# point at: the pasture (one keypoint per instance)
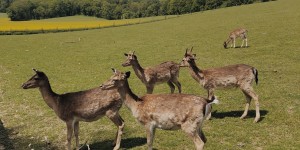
(73, 65)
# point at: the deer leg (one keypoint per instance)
(234, 43)
(194, 133)
(253, 95)
(248, 99)
(246, 42)
(69, 134)
(202, 136)
(177, 83)
(171, 85)
(150, 89)
(242, 43)
(150, 130)
(119, 122)
(210, 96)
(76, 133)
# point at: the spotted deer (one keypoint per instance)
(164, 111)
(239, 75)
(242, 33)
(165, 72)
(88, 106)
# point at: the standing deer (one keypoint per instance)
(89, 105)
(239, 75)
(165, 72)
(164, 111)
(242, 33)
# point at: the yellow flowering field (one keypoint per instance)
(67, 23)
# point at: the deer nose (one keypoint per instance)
(24, 86)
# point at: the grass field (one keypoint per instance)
(66, 24)
(73, 65)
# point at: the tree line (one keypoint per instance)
(109, 9)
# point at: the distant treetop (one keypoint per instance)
(109, 9)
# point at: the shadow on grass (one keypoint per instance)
(5, 142)
(125, 144)
(242, 47)
(11, 139)
(237, 114)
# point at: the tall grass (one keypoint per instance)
(72, 66)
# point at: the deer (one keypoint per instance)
(164, 111)
(165, 72)
(240, 76)
(89, 105)
(241, 32)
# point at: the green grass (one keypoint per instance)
(274, 50)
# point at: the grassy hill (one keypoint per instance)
(74, 65)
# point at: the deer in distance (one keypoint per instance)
(239, 75)
(165, 72)
(88, 106)
(242, 33)
(164, 111)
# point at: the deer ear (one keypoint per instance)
(34, 70)
(114, 70)
(133, 52)
(191, 49)
(127, 74)
(186, 52)
(125, 54)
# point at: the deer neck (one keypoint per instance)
(138, 69)
(196, 72)
(130, 99)
(228, 40)
(49, 96)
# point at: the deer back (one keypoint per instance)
(228, 76)
(169, 111)
(162, 72)
(89, 105)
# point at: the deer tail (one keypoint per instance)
(214, 100)
(255, 72)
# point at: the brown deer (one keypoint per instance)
(164, 111)
(242, 33)
(89, 105)
(239, 75)
(165, 72)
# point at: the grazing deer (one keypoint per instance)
(89, 105)
(164, 111)
(242, 33)
(240, 75)
(165, 72)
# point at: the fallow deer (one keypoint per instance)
(239, 75)
(165, 72)
(164, 111)
(242, 33)
(89, 105)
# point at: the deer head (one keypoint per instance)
(37, 80)
(188, 57)
(130, 59)
(117, 80)
(225, 44)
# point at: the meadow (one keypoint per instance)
(72, 65)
